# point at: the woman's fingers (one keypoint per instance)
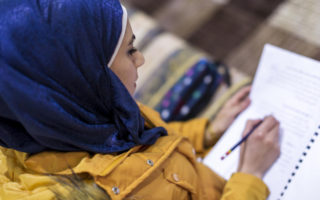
(241, 159)
(240, 95)
(273, 136)
(249, 126)
(268, 123)
(275, 131)
(229, 112)
(237, 109)
(262, 148)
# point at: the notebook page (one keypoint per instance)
(286, 85)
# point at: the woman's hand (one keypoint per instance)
(261, 149)
(233, 107)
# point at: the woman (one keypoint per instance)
(68, 70)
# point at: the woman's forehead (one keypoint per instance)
(128, 34)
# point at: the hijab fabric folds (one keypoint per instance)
(56, 89)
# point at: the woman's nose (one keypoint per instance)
(139, 60)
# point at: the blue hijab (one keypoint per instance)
(56, 89)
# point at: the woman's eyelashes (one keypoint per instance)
(132, 51)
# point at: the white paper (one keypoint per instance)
(287, 86)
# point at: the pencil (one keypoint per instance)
(241, 141)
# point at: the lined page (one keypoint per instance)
(286, 85)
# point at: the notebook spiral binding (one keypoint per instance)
(299, 163)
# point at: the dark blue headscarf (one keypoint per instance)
(56, 90)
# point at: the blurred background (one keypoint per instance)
(178, 37)
(235, 31)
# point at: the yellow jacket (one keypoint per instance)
(166, 170)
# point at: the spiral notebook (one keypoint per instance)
(286, 85)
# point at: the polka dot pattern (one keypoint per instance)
(191, 92)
